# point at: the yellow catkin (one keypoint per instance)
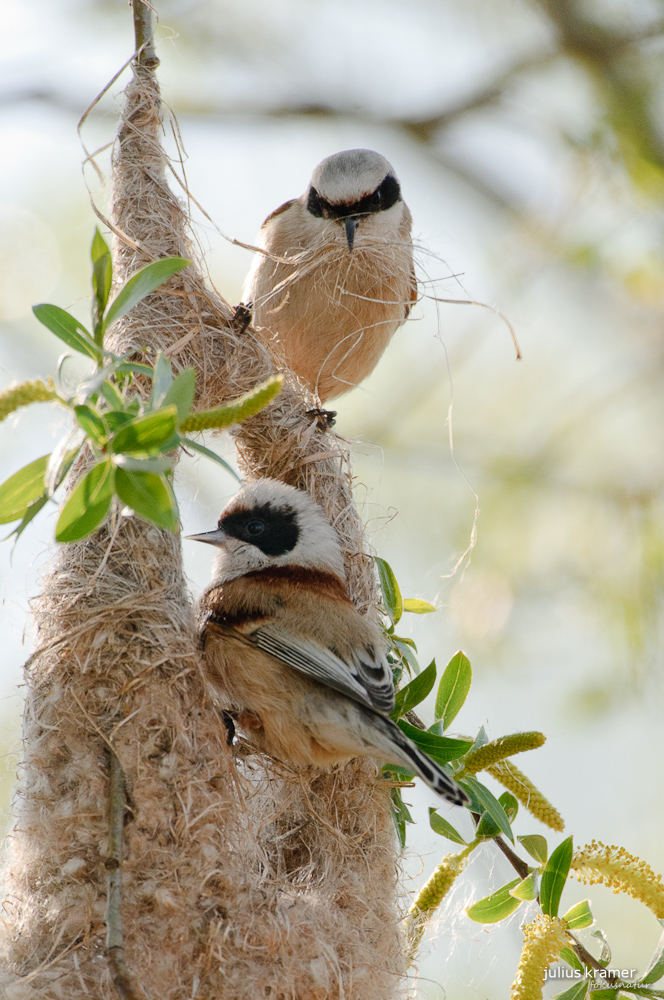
(497, 750)
(430, 897)
(26, 392)
(509, 775)
(232, 413)
(543, 940)
(620, 871)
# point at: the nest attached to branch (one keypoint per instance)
(239, 882)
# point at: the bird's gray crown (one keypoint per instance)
(348, 176)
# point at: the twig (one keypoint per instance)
(114, 944)
(144, 34)
(517, 863)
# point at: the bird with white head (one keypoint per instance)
(287, 652)
(336, 277)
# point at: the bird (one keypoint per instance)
(336, 275)
(287, 654)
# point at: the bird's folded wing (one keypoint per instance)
(315, 661)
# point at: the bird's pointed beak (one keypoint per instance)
(350, 225)
(216, 537)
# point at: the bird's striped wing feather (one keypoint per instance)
(313, 660)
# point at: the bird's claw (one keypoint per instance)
(241, 318)
(324, 418)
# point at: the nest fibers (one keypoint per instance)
(239, 882)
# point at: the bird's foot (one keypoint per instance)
(324, 418)
(228, 719)
(241, 318)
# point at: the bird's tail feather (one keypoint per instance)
(403, 751)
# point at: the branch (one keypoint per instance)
(144, 34)
(114, 945)
(517, 863)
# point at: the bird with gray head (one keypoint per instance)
(286, 651)
(336, 277)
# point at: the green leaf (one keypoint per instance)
(536, 846)
(655, 969)
(527, 889)
(554, 876)
(149, 495)
(141, 284)
(487, 828)
(417, 607)
(579, 915)
(453, 688)
(397, 773)
(400, 815)
(182, 392)
(569, 956)
(68, 329)
(87, 505)
(111, 394)
(94, 383)
(480, 795)
(577, 992)
(135, 368)
(495, 907)
(481, 739)
(117, 419)
(405, 650)
(404, 640)
(157, 464)
(390, 587)
(22, 489)
(32, 511)
(443, 828)
(161, 382)
(510, 805)
(414, 692)
(145, 434)
(202, 450)
(606, 994)
(439, 748)
(61, 461)
(102, 279)
(91, 423)
(99, 247)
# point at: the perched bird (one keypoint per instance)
(286, 650)
(338, 276)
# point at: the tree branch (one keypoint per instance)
(144, 34)
(114, 943)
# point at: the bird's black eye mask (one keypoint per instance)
(273, 530)
(388, 193)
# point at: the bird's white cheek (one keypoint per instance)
(236, 558)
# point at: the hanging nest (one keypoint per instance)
(241, 878)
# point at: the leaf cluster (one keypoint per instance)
(494, 815)
(132, 440)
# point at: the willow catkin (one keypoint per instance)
(543, 940)
(16, 396)
(512, 778)
(620, 871)
(265, 881)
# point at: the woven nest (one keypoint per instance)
(242, 879)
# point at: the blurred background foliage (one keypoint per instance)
(529, 139)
